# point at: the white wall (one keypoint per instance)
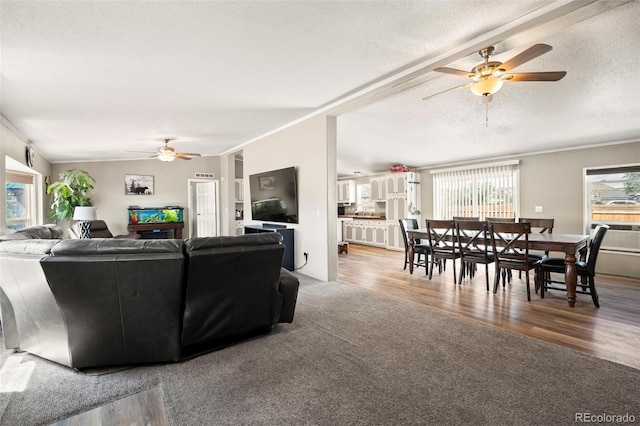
(310, 147)
(170, 186)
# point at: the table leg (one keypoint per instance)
(570, 277)
(411, 254)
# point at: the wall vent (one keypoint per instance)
(204, 175)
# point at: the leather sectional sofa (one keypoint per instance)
(106, 302)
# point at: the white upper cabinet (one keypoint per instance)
(346, 191)
(396, 183)
(378, 189)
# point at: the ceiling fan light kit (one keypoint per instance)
(489, 76)
(167, 153)
(487, 86)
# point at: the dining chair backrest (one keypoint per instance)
(441, 234)
(500, 219)
(540, 225)
(467, 218)
(594, 247)
(406, 224)
(505, 238)
(472, 238)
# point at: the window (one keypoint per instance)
(20, 201)
(489, 190)
(613, 198)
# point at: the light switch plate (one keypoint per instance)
(539, 209)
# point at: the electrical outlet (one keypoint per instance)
(306, 256)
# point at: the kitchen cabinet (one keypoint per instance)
(396, 208)
(346, 191)
(396, 183)
(366, 231)
(394, 236)
(404, 203)
(378, 189)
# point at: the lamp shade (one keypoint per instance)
(487, 86)
(84, 213)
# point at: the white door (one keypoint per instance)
(205, 208)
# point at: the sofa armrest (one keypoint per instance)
(288, 287)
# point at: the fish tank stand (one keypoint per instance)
(156, 222)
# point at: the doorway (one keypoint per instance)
(204, 211)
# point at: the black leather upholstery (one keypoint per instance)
(241, 296)
(48, 231)
(99, 302)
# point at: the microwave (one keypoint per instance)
(340, 210)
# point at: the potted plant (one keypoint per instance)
(72, 190)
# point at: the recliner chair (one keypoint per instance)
(99, 229)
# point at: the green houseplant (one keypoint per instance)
(72, 190)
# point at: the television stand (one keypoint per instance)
(287, 239)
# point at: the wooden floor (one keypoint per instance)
(142, 408)
(611, 332)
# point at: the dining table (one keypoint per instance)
(569, 244)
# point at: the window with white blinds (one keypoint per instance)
(489, 190)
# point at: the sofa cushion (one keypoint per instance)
(115, 246)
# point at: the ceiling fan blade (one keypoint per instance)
(529, 54)
(535, 76)
(181, 156)
(448, 90)
(191, 154)
(454, 71)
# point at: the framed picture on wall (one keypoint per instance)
(138, 185)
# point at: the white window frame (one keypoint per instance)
(633, 233)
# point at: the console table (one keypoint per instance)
(287, 240)
(142, 227)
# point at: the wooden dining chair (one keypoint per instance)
(510, 244)
(541, 226)
(442, 240)
(418, 248)
(586, 268)
(474, 247)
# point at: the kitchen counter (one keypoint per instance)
(361, 217)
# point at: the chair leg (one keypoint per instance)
(433, 260)
(594, 293)
(406, 259)
(496, 280)
(486, 273)
(454, 270)
(526, 275)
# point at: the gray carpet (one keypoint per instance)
(350, 357)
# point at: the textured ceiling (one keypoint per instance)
(94, 80)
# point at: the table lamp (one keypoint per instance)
(84, 214)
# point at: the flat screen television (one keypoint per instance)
(274, 196)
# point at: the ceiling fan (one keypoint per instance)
(489, 76)
(167, 153)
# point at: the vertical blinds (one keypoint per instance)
(484, 191)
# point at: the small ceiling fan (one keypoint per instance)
(489, 76)
(167, 153)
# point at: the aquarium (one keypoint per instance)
(141, 215)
